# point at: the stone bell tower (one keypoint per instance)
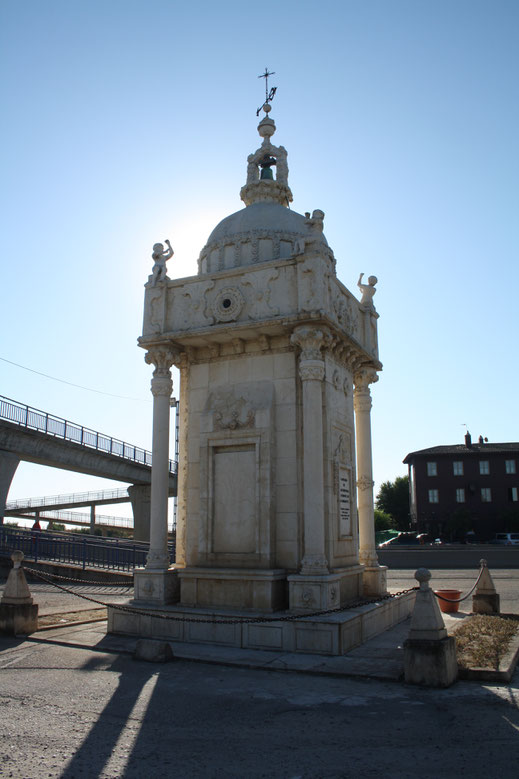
(275, 501)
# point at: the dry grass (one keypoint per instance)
(482, 640)
(62, 619)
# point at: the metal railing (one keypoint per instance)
(76, 518)
(72, 498)
(81, 550)
(42, 422)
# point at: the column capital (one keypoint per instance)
(363, 378)
(162, 357)
(311, 340)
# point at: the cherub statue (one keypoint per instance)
(161, 257)
(368, 290)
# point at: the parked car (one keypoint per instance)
(506, 539)
(400, 540)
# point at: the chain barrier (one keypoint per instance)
(78, 581)
(464, 597)
(222, 621)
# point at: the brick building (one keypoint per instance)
(464, 487)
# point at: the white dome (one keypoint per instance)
(261, 232)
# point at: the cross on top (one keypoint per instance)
(268, 94)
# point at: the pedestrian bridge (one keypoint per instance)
(36, 436)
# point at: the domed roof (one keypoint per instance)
(258, 216)
(266, 229)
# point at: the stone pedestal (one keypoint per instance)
(156, 587)
(314, 593)
(236, 588)
(374, 579)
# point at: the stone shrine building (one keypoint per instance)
(276, 358)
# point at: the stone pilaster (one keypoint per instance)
(374, 578)
(311, 371)
(180, 558)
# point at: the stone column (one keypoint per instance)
(311, 371)
(152, 584)
(374, 577)
(161, 389)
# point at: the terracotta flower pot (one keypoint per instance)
(452, 595)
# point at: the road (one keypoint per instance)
(74, 713)
(69, 712)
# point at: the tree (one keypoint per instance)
(383, 521)
(393, 499)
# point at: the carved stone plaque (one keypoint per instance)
(344, 502)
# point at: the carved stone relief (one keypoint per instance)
(258, 286)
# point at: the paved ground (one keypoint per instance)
(71, 711)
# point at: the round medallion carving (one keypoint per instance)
(228, 304)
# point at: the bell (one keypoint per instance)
(266, 173)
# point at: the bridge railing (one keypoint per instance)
(85, 551)
(41, 421)
(74, 497)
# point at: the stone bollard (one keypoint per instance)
(18, 614)
(485, 599)
(429, 653)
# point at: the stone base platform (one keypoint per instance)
(332, 634)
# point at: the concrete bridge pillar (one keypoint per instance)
(140, 496)
(8, 465)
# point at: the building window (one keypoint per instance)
(513, 494)
(432, 469)
(510, 466)
(486, 495)
(457, 468)
(484, 467)
(434, 496)
(460, 495)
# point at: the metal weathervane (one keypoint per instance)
(269, 94)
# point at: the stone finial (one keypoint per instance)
(485, 599)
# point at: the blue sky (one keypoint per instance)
(129, 121)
